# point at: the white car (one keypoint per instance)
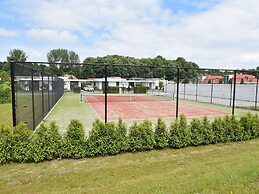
(88, 88)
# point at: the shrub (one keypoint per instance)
(122, 135)
(74, 144)
(161, 134)
(21, 143)
(5, 92)
(179, 133)
(103, 139)
(232, 129)
(141, 136)
(140, 89)
(196, 132)
(250, 124)
(46, 143)
(5, 144)
(76, 90)
(208, 134)
(112, 90)
(218, 130)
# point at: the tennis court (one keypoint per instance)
(134, 107)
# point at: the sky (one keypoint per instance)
(211, 33)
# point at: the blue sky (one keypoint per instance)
(212, 33)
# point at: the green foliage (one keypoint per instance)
(196, 132)
(218, 129)
(46, 143)
(5, 92)
(250, 124)
(161, 85)
(141, 137)
(242, 81)
(112, 90)
(21, 143)
(161, 134)
(179, 133)
(4, 76)
(17, 55)
(106, 139)
(76, 90)
(5, 144)
(140, 89)
(207, 131)
(74, 143)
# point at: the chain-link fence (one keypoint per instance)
(34, 93)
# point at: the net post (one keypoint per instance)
(234, 93)
(32, 95)
(256, 94)
(177, 93)
(12, 63)
(105, 93)
(48, 95)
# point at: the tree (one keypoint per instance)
(242, 81)
(161, 85)
(58, 55)
(17, 55)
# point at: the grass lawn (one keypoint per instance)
(70, 108)
(222, 168)
(6, 114)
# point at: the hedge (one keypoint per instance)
(5, 92)
(140, 90)
(19, 144)
(112, 90)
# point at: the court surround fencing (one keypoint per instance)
(179, 84)
(34, 94)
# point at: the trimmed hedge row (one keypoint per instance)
(21, 145)
(112, 90)
(140, 90)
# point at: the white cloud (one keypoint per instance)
(225, 34)
(7, 33)
(51, 35)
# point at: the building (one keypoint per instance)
(243, 78)
(240, 78)
(216, 79)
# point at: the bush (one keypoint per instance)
(112, 90)
(140, 89)
(141, 137)
(105, 139)
(74, 144)
(5, 144)
(21, 143)
(161, 134)
(232, 129)
(250, 124)
(5, 92)
(179, 133)
(46, 143)
(218, 130)
(207, 132)
(196, 132)
(76, 90)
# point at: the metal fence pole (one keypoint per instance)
(234, 93)
(211, 91)
(256, 94)
(12, 63)
(184, 85)
(196, 92)
(177, 93)
(48, 95)
(105, 93)
(32, 96)
(230, 99)
(52, 92)
(42, 95)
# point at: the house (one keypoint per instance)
(243, 78)
(216, 79)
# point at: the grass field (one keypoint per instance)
(222, 168)
(6, 114)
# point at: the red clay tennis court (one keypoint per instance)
(143, 107)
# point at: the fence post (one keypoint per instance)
(32, 96)
(230, 99)
(13, 92)
(211, 91)
(42, 95)
(52, 92)
(234, 93)
(184, 85)
(256, 94)
(177, 93)
(105, 93)
(48, 95)
(196, 93)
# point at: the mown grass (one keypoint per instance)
(6, 114)
(222, 168)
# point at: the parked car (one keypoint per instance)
(88, 88)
